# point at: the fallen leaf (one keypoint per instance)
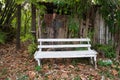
(108, 79)
(45, 67)
(118, 66)
(82, 78)
(64, 75)
(71, 66)
(114, 72)
(39, 78)
(31, 74)
(94, 73)
(113, 66)
(62, 66)
(81, 67)
(49, 77)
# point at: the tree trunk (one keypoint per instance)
(18, 27)
(33, 22)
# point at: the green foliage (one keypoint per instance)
(25, 77)
(2, 37)
(90, 78)
(119, 73)
(4, 71)
(32, 48)
(74, 62)
(42, 9)
(108, 50)
(107, 74)
(111, 13)
(27, 37)
(104, 63)
(77, 78)
(72, 7)
(19, 1)
(91, 34)
(38, 68)
(82, 48)
(78, 6)
(8, 9)
(73, 26)
(117, 67)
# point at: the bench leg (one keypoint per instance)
(38, 60)
(95, 62)
(91, 60)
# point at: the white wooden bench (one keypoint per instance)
(80, 43)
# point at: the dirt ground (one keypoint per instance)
(20, 65)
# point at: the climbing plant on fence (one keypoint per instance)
(110, 10)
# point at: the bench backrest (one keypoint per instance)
(81, 42)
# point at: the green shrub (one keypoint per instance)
(108, 50)
(104, 62)
(32, 48)
(107, 74)
(2, 37)
(27, 37)
(73, 26)
(38, 68)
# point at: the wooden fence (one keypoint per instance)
(97, 30)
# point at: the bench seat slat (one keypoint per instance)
(65, 54)
(63, 40)
(63, 46)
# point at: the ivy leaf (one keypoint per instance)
(19, 1)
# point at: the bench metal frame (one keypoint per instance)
(81, 42)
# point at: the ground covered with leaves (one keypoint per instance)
(20, 65)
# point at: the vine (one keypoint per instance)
(111, 13)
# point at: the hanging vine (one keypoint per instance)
(111, 13)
